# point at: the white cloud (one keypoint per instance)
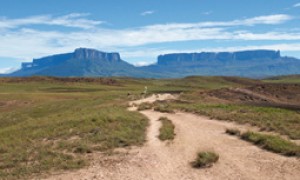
(266, 36)
(142, 63)
(146, 13)
(207, 13)
(269, 20)
(76, 20)
(25, 44)
(297, 5)
(281, 47)
(7, 70)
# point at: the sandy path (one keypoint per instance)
(159, 161)
(152, 99)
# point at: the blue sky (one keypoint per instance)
(142, 29)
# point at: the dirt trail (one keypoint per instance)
(151, 99)
(159, 161)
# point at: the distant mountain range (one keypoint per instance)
(85, 62)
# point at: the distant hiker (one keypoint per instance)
(145, 92)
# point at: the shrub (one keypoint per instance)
(144, 106)
(234, 132)
(205, 159)
(82, 149)
(166, 131)
(163, 109)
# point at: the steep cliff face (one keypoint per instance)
(204, 57)
(254, 63)
(83, 54)
(81, 62)
(256, 54)
(92, 54)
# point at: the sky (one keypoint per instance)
(140, 30)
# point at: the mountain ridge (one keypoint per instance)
(85, 62)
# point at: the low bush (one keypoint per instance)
(234, 132)
(163, 109)
(166, 132)
(205, 159)
(145, 106)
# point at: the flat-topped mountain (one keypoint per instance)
(78, 54)
(93, 63)
(183, 58)
(82, 62)
(254, 63)
(92, 54)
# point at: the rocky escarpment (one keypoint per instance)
(83, 62)
(78, 54)
(92, 54)
(254, 63)
(182, 58)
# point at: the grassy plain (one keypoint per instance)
(49, 124)
(46, 124)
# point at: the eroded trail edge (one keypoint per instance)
(170, 160)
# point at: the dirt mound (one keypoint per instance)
(275, 95)
(281, 92)
(241, 81)
(234, 95)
